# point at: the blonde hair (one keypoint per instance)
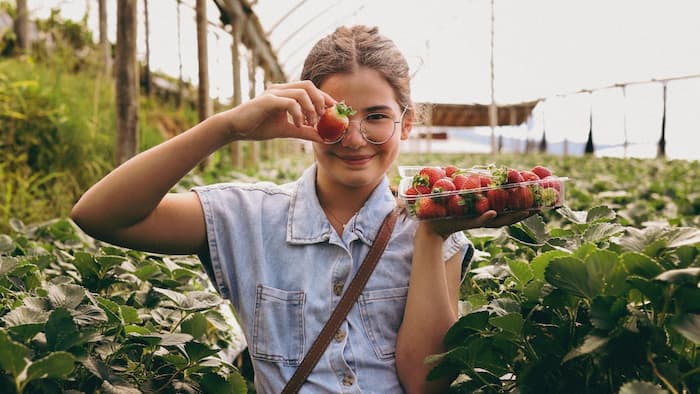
(350, 47)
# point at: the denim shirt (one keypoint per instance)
(276, 257)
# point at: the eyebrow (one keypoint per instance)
(375, 108)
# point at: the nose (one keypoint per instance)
(353, 136)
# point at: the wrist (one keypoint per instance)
(427, 231)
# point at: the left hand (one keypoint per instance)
(490, 218)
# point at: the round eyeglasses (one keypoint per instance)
(376, 128)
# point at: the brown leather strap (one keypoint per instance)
(346, 302)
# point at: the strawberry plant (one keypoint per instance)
(84, 316)
(584, 306)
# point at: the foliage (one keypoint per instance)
(588, 307)
(55, 142)
(84, 316)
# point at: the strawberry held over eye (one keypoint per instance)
(334, 122)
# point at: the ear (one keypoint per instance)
(407, 124)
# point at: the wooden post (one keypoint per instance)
(204, 102)
(235, 148)
(127, 83)
(253, 157)
(661, 149)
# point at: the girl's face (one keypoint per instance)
(353, 162)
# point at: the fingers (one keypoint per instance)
(311, 100)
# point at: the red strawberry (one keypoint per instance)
(443, 185)
(497, 199)
(473, 181)
(485, 181)
(514, 176)
(450, 170)
(541, 171)
(411, 191)
(529, 176)
(457, 205)
(481, 204)
(459, 180)
(427, 176)
(551, 182)
(520, 198)
(427, 208)
(334, 122)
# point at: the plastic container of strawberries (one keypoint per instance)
(473, 200)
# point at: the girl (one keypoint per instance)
(284, 254)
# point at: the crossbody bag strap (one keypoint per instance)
(346, 302)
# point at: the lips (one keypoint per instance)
(355, 160)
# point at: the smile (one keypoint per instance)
(356, 160)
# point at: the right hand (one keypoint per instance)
(283, 110)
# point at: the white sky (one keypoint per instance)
(543, 49)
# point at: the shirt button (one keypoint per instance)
(339, 336)
(348, 380)
(338, 288)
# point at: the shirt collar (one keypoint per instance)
(307, 222)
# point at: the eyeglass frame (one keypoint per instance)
(364, 134)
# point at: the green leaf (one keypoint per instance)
(641, 265)
(606, 311)
(578, 217)
(680, 276)
(234, 383)
(571, 275)
(638, 387)
(590, 344)
(25, 315)
(61, 332)
(511, 322)
(600, 214)
(56, 365)
(196, 325)
(601, 231)
(192, 301)
(636, 240)
(129, 314)
(197, 350)
(6, 245)
(66, 295)
(682, 236)
(531, 231)
(540, 263)
(12, 355)
(89, 315)
(604, 267)
(653, 291)
(7, 264)
(107, 262)
(689, 326)
(467, 325)
(172, 339)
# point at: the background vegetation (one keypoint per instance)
(599, 296)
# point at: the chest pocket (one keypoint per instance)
(382, 312)
(278, 330)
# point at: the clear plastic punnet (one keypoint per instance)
(433, 192)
